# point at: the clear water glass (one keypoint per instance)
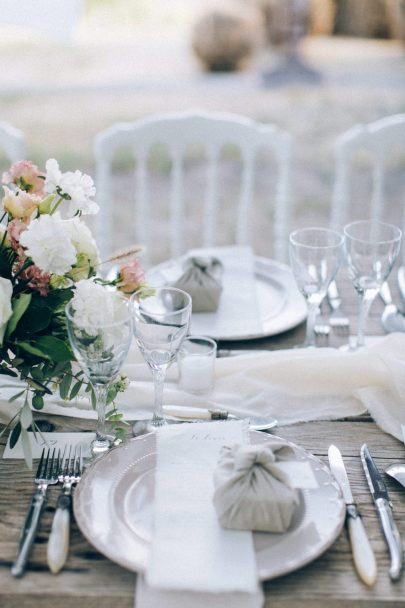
(315, 257)
(371, 249)
(100, 350)
(161, 323)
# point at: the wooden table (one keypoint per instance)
(91, 580)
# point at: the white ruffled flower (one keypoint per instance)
(96, 305)
(83, 240)
(48, 243)
(6, 291)
(79, 186)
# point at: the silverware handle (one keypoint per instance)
(28, 533)
(392, 538)
(333, 296)
(58, 543)
(385, 293)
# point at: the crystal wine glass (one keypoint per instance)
(161, 323)
(315, 257)
(100, 349)
(371, 250)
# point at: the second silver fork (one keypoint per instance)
(58, 543)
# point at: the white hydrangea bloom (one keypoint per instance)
(79, 186)
(48, 243)
(96, 305)
(83, 240)
(6, 291)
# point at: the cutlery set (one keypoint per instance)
(363, 556)
(53, 468)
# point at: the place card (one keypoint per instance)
(52, 440)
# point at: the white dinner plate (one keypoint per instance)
(114, 500)
(281, 306)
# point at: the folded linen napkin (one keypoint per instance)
(202, 279)
(294, 385)
(252, 492)
(194, 562)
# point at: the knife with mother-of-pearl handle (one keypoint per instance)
(363, 555)
(384, 509)
(401, 284)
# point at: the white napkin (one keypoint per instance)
(194, 561)
(292, 385)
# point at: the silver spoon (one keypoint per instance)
(397, 471)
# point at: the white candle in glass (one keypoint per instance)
(196, 362)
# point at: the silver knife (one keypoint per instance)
(363, 555)
(384, 509)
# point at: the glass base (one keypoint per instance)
(101, 446)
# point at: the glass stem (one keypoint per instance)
(365, 304)
(159, 375)
(101, 442)
(313, 308)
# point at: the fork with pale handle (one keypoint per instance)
(58, 543)
(46, 475)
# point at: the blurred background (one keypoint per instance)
(71, 68)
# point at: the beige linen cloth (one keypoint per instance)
(292, 385)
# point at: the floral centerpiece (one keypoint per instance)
(46, 251)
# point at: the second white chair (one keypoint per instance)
(178, 132)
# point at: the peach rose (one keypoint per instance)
(20, 204)
(26, 176)
(130, 277)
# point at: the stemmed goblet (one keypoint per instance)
(100, 345)
(371, 249)
(161, 323)
(315, 257)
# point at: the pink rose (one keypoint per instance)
(130, 277)
(20, 204)
(26, 176)
(14, 230)
(37, 279)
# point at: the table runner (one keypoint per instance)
(292, 385)
(194, 560)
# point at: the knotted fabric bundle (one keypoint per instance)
(251, 490)
(202, 279)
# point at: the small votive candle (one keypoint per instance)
(196, 361)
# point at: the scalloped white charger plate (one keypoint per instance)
(113, 508)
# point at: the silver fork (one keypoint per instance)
(58, 543)
(338, 320)
(46, 475)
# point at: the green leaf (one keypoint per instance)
(39, 386)
(15, 434)
(26, 446)
(16, 396)
(20, 305)
(93, 398)
(76, 388)
(32, 350)
(64, 386)
(54, 348)
(34, 320)
(37, 402)
(37, 373)
(7, 372)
